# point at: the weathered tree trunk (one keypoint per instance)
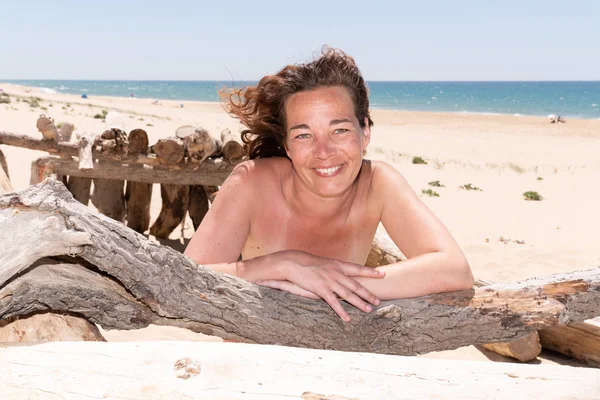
(65, 132)
(175, 203)
(108, 195)
(46, 126)
(162, 286)
(48, 327)
(233, 148)
(175, 198)
(78, 186)
(199, 144)
(37, 327)
(580, 340)
(198, 204)
(138, 195)
(523, 349)
(176, 370)
(5, 185)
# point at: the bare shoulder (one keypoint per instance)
(260, 173)
(387, 179)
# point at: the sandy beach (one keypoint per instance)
(505, 237)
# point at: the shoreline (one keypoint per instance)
(49, 91)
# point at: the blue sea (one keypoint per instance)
(569, 99)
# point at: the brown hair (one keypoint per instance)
(261, 108)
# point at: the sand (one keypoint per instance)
(505, 237)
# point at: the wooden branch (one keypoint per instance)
(200, 370)
(177, 289)
(71, 149)
(580, 340)
(210, 172)
(108, 197)
(138, 195)
(65, 132)
(48, 326)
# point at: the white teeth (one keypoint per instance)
(328, 171)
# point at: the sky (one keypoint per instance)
(418, 40)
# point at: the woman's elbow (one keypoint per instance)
(462, 276)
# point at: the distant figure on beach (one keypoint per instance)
(555, 118)
(303, 211)
(84, 96)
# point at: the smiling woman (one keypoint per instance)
(304, 210)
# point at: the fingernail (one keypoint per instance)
(369, 308)
(347, 319)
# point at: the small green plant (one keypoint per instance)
(468, 186)
(141, 119)
(532, 196)
(539, 178)
(418, 160)
(34, 102)
(435, 184)
(149, 125)
(430, 193)
(102, 115)
(68, 105)
(44, 108)
(50, 105)
(59, 125)
(4, 98)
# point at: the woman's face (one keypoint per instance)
(324, 139)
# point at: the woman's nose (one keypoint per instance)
(324, 148)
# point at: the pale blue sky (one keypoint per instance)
(391, 40)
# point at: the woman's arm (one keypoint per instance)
(435, 263)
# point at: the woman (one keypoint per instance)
(304, 209)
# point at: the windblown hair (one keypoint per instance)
(261, 108)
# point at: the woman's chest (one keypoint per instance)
(346, 238)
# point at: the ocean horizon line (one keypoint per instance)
(573, 99)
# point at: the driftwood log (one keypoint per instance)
(198, 142)
(233, 148)
(175, 198)
(45, 326)
(184, 370)
(108, 195)
(580, 340)
(138, 167)
(198, 204)
(143, 282)
(138, 195)
(46, 126)
(5, 185)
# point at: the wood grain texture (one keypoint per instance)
(174, 287)
(196, 370)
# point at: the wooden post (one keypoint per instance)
(233, 148)
(199, 144)
(5, 185)
(108, 195)
(198, 204)
(175, 198)
(138, 195)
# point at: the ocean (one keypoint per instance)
(568, 99)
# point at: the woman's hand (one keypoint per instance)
(317, 277)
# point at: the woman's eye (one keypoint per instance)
(303, 136)
(341, 130)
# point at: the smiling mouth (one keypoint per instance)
(327, 172)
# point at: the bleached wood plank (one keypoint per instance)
(245, 371)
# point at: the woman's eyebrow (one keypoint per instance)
(339, 121)
(333, 122)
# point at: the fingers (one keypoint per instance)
(335, 304)
(351, 296)
(288, 287)
(360, 270)
(355, 287)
